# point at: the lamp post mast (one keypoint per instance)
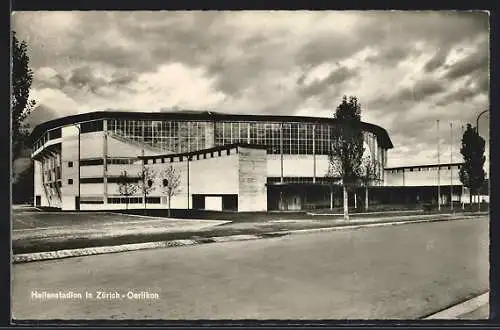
(439, 170)
(451, 166)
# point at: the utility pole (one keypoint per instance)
(463, 187)
(477, 132)
(439, 170)
(451, 166)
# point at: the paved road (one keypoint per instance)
(394, 272)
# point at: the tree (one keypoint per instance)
(126, 187)
(21, 106)
(369, 173)
(146, 182)
(171, 181)
(472, 173)
(23, 186)
(347, 146)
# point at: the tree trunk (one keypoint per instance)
(366, 198)
(126, 203)
(168, 207)
(355, 200)
(478, 202)
(331, 198)
(470, 198)
(346, 207)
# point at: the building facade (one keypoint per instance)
(261, 162)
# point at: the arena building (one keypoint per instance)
(224, 161)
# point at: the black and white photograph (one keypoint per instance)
(250, 165)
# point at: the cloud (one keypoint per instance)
(334, 78)
(478, 61)
(407, 68)
(437, 60)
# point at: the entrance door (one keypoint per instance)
(77, 202)
(38, 200)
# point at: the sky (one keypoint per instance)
(407, 69)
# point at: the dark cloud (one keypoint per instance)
(476, 85)
(335, 78)
(40, 114)
(437, 60)
(477, 61)
(328, 48)
(391, 56)
(460, 95)
(419, 92)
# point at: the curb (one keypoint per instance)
(460, 309)
(69, 253)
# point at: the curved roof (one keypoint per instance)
(380, 132)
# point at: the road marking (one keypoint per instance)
(460, 309)
(381, 212)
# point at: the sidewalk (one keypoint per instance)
(53, 247)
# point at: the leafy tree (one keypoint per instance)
(347, 146)
(126, 187)
(369, 173)
(146, 182)
(21, 106)
(472, 173)
(171, 181)
(23, 186)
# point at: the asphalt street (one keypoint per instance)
(397, 272)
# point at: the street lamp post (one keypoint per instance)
(477, 132)
(439, 170)
(477, 120)
(451, 167)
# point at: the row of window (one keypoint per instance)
(422, 169)
(120, 200)
(100, 161)
(101, 180)
(322, 179)
(211, 154)
(171, 136)
(50, 135)
(133, 200)
(186, 136)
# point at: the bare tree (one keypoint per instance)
(126, 187)
(146, 182)
(347, 146)
(171, 181)
(369, 173)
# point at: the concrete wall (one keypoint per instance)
(217, 175)
(38, 184)
(422, 177)
(252, 180)
(297, 165)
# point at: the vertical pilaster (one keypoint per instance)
(314, 152)
(281, 151)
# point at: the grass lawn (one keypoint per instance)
(54, 242)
